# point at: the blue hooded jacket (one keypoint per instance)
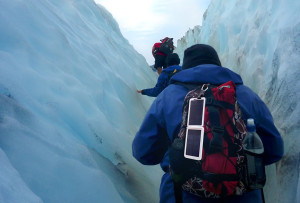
(162, 81)
(162, 124)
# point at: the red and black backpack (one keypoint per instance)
(166, 46)
(221, 171)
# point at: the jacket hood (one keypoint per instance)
(206, 73)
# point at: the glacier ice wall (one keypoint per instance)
(191, 37)
(260, 40)
(68, 105)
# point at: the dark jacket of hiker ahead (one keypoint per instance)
(162, 81)
(162, 123)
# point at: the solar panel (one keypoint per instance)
(196, 112)
(194, 143)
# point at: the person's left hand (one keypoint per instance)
(139, 91)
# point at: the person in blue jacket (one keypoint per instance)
(173, 67)
(161, 124)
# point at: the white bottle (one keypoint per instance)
(254, 150)
(252, 142)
